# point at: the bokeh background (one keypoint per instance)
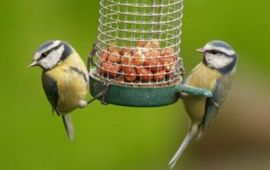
(121, 138)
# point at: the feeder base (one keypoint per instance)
(135, 96)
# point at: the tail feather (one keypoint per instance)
(68, 126)
(192, 132)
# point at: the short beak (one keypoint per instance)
(34, 63)
(200, 50)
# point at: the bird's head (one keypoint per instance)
(219, 55)
(50, 53)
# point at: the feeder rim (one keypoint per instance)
(91, 73)
(143, 5)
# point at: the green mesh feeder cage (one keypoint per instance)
(135, 61)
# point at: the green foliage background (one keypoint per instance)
(110, 137)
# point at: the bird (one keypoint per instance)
(64, 79)
(215, 73)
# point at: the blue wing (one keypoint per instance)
(51, 91)
(213, 103)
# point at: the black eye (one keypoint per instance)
(213, 52)
(44, 54)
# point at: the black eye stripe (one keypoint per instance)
(213, 51)
(45, 54)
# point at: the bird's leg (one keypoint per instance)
(105, 90)
(102, 94)
(215, 103)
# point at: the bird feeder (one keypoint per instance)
(136, 61)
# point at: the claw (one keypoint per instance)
(101, 95)
(215, 103)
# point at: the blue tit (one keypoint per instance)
(64, 79)
(214, 73)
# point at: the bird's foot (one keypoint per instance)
(101, 95)
(183, 95)
(215, 103)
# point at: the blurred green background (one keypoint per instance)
(121, 138)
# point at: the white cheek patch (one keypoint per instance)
(218, 61)
(52, 58)
(37, 55)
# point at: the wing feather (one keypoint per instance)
(213, 104)
(51, 90)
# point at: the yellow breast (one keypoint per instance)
(202, 77)
(72, 86)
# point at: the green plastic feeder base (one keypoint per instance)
(143, 96)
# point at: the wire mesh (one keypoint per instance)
(139, 42)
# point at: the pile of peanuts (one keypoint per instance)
(146, 62)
